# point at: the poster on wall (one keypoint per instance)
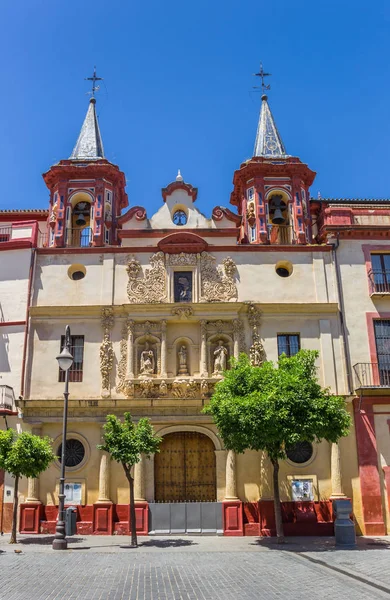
(72, 493)
(302, 489)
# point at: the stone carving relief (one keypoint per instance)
(148, 288)
(183, 312)
(220, 356)
(184, 388)
(182, 359)
(147, 361)
(183, 260)
(256, 352)
(106, 350)
(217, 283)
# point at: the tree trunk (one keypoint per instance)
(134, 542)
(277, 507)
(15, 511)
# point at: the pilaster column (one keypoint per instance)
(104, 478)
(139, 480)
(203, 350)
(236, 339)
(130, 350)
(231, 476)
(163, 349)
(33, 483)
(335, 470)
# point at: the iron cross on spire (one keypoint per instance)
(94, 79)
(261, 74)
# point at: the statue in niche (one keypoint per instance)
(147, 361)
(182, 355)
(220, 356)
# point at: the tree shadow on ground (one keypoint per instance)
(307, 544)
(174, 543)
(47, 540)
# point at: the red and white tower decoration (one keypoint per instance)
(271, 190)
(87, 192)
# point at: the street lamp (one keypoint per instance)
(65, 361)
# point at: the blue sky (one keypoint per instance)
(177, 91)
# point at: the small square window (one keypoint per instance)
(288, 344)
(182, 286)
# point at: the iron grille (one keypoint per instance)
(77, 351)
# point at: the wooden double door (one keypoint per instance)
(184, 469)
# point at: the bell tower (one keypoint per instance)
(87, 192)
(271, 189)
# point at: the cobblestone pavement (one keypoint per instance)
(196, 568)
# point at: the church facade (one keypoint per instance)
(158, 304)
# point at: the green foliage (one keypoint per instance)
(272, 407)
(24, 454)
(125, 441)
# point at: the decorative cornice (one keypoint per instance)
(220, 211)
(176, 243)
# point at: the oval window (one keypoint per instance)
(300, 453)
(179, 217)
(74, 452)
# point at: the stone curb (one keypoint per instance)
(347, 572)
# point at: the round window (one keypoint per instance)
(74, 452)
(77, 272)
(284, 268)
(77, 275)
(300, 453)
(179, 217)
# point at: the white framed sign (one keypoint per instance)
(302, 489)
(73, 493)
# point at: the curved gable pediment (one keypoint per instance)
(182, 242)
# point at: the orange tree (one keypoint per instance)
(125, 442)
(23, 455)
(273, 407)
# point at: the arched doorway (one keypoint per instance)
(184, 469)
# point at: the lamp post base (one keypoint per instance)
(60, 542)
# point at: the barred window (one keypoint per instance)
(288, 344)
(77, 351)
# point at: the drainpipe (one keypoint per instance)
(335, 246)
(29, 293)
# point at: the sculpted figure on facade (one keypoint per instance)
(147, 362)
(163, 388)
(150, 288)
(183, 388)
(182, 355)
(106, 350)
(220, 356)
(217, 284)
(256, 352)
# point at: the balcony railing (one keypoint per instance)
(372, 375)
(5, 234)
(79, 238)
(7, 400)
(281, 234)
(379, 281)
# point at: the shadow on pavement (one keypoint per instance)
(320, 545)
(174, 543)
(47, 540)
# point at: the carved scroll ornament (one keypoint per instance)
(217, 284)
(150, 287)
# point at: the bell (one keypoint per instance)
(278, 219)
(80, 221)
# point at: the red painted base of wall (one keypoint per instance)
(299, 518)
(30, 517)
(100, 519)
(233, 524)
